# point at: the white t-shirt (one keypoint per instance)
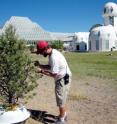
(58, 64)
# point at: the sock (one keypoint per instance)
(63, 118)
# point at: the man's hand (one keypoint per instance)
(38, 70)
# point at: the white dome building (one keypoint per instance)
(104, 38)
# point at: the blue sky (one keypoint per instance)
(56, 15)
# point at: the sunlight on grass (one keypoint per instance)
(98, 64)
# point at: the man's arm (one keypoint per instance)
(45, 67)
(45, 72)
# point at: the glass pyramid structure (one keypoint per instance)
(28, 30)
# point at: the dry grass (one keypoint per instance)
(77, 96)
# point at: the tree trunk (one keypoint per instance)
(10, 99)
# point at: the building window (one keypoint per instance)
(111, 19)
(89, 45)
(108, 10)
(107, 44)
(97, 44)
(78, 47)
(98, 33)
(111, 9)
(85, 47)
(104, 10)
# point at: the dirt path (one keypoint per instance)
(91, 101)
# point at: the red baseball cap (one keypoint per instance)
(41, 45)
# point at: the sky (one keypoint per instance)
(56, 15)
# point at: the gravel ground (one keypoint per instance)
(91, 101)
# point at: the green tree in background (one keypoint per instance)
(57, 44)
(17, 75)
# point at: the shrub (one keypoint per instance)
(57, 44)
(17, 75)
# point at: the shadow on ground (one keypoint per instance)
(42, 116)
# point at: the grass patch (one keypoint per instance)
(99, 64)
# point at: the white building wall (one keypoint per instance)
(106, 21)
(81, 43)
(115, 23)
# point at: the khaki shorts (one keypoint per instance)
(61, 92)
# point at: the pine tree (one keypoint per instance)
(17, 75)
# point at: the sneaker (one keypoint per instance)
(66, 118)
(59, 121)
